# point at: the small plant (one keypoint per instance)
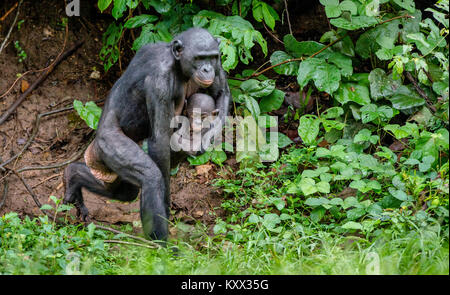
(22, 55)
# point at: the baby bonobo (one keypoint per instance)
(201, 110)
(140, 106)
(199, 107)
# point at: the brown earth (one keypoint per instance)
(61, 136)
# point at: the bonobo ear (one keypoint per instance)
(218, 41)
(177, 48)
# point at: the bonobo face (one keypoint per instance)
(199, 107)
(198, 55)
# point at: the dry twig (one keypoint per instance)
(127, 235)
(287, 15)
(44, 75)
(9, 11)
(421, 92)
(11, 28)
(130, 243)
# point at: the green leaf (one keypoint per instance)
(355, 213)
(405, 98)
(252, 105)
(352, 225)
(363, 135)
(283, 140)
(46, 207)
(343, 62)
(90, 113)
(406, 4)
(103, 4)
(140, 20)
(329, 2)
(304, 48)
(333, 11)
(199, 160)
(427, 161)
(398, 194)
(332, 113)
(326, 77)
(308, 129)
(272, 101)
(258, 88)
(133, 3)
(323, 187)
(271, 220)
(398, 132)
(317, 214)
(119, 8)
(218, 157)
(348, 5)
(147, 36)
(161, 6)
(290, 68)
(357, 22)
(229, 55)
(381, 85)
(352, 92)
(308, 186)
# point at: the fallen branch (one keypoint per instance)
(59, 165)
(287, 16)
(129, 243)
(47, 179)
(271, 34)
(33, 135)
(5, 192)
(127, 235)
(28, 188)
(421, 92)
(21, 76)
(9, 11)
(43, 76)
(11, 28)
(35, 131)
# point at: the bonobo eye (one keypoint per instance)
(212, 57)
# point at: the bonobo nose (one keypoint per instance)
(206, 70)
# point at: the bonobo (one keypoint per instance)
(201, 112)
(202, 103)
(140, 106)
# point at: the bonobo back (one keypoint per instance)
(126, 99)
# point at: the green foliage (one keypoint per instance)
(237, 36)
(90, 112)
(373, 164)
(21, 54)
(38, 246)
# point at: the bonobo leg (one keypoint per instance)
(123, 156)
(78, 175)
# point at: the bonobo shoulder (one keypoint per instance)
(154, 55)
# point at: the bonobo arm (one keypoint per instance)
(160, 109)
(221, 93)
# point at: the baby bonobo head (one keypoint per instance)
(201, 105)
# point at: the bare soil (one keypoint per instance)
(61, 136)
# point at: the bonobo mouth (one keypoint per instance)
(203, 83)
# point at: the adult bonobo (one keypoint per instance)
(140, 106)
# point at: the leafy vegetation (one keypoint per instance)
(370, 178)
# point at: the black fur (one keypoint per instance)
(140, 106)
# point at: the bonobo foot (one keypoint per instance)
(82, 211)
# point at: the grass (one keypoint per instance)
(39, 247)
